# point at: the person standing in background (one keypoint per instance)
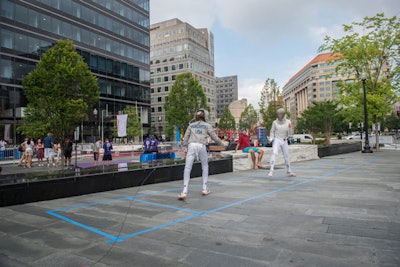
(22, 160)
(146, 144)
(96, 152)
(3, 144)
(29, 145)
(107, 156)
(40, 152)
(68, 152)
(154, 144)
(48, 142)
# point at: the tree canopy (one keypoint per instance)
(369, 50)
(319, 117)
(248, 118)
(59, 91)
(185, 98)
(270, 101)
(227, 121)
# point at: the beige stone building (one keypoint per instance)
(236, 108)
(316, 81)
(177, 47)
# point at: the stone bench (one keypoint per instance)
(242, 161)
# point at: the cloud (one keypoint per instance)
(271, 21)
(196, 13)
(251, 90)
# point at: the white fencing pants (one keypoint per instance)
(279, 143)
(199, 151)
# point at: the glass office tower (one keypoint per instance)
(112, 37)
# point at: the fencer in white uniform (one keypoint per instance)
(281, 130)
(195, 141)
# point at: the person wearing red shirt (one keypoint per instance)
(244, 144)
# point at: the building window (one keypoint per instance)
(159, 99)
(159, 89)
(173, 67)
(180, 66)
(159, 109)
(152, 110)
(166, 89)
(166, 68)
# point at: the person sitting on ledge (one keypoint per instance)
(244, 144)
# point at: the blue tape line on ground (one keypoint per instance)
(157, 227)
(197, 214)
(243, 201)
(94, 230)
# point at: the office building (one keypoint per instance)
(316, 81)
(112, 37)
(227, 92)
(177, 47)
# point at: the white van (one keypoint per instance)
(304, 138)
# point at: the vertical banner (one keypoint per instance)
(7, 128)
(121, 124)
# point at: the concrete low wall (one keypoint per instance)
(87, 183)
(337, 149)
(242, 161)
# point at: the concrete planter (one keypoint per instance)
(86, 183)
(242, 161)
(337, 149)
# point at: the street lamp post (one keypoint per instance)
(95, 112)
(367, 148)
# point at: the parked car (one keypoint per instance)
(303, 138)
(358, 136)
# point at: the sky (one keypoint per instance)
(261, 39)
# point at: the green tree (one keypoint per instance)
(248, 118)
(185, 98)
(319, 117)
(227, 121)
(370, 50)
(59, 91)
(270, 101)
(391, 122)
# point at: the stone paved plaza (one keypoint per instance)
(339, 211)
